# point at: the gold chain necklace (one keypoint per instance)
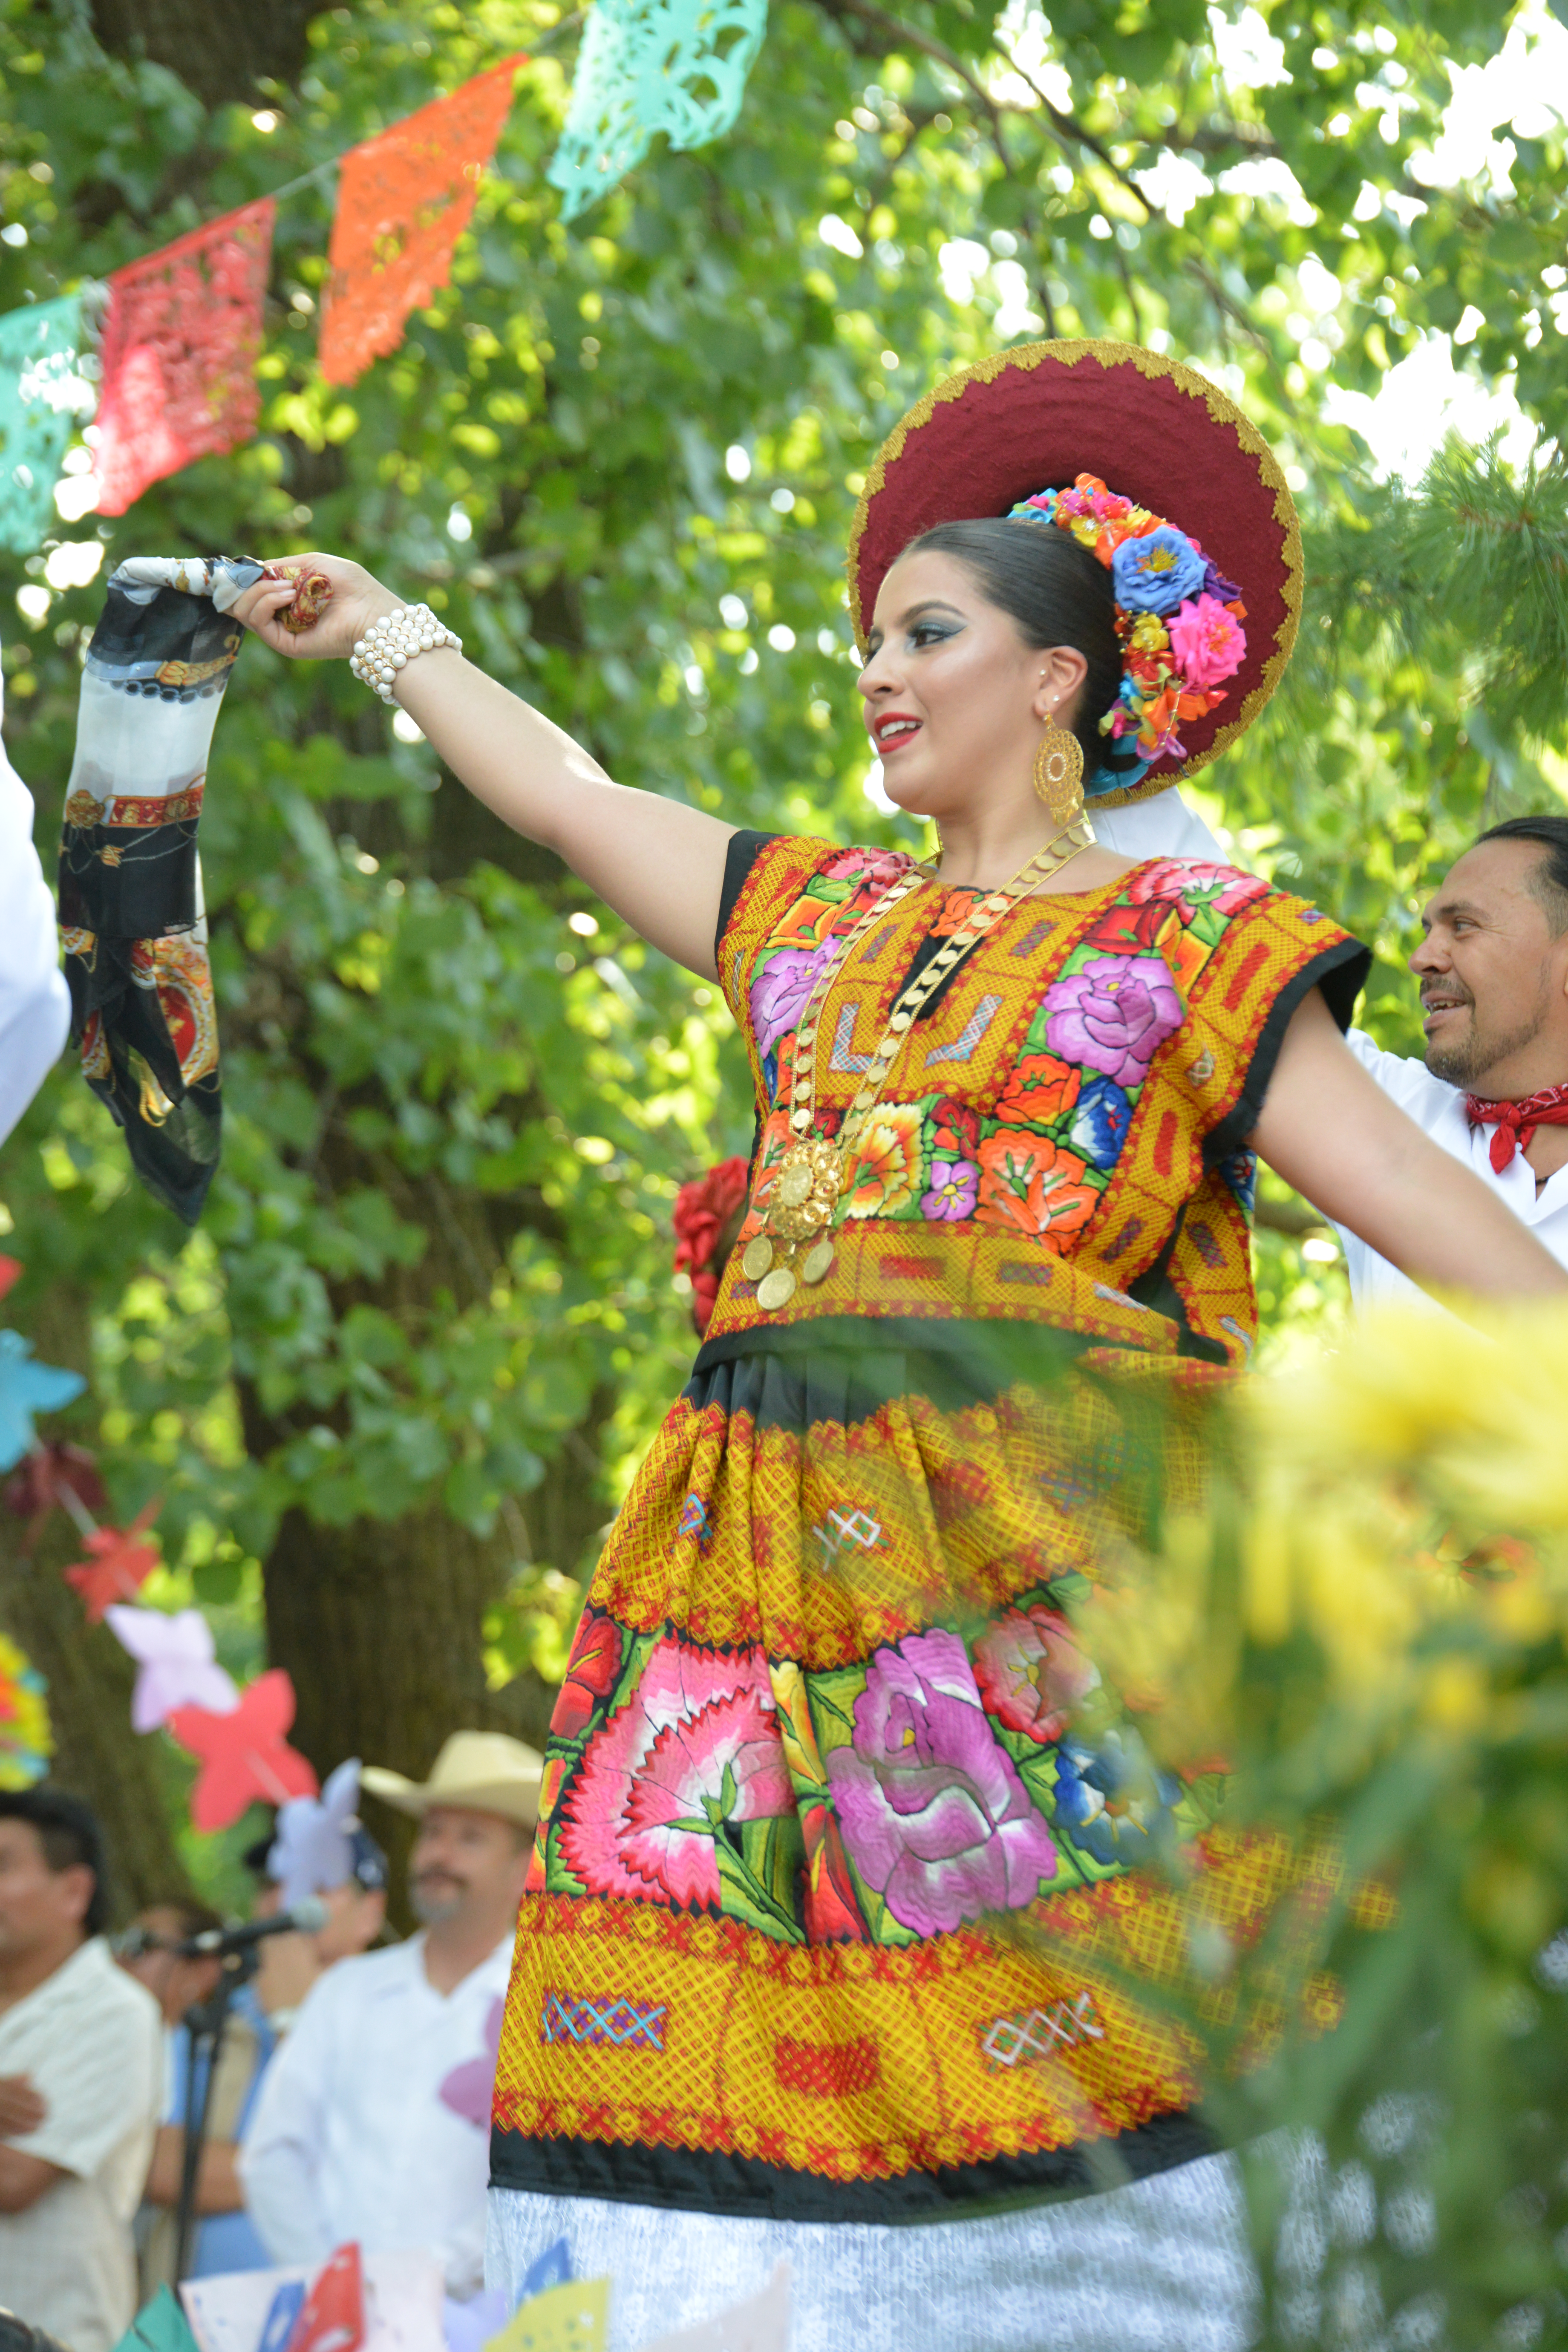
(803, 1202)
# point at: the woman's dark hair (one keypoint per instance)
(68, 1833)
(1058, 594)
(1548, 882)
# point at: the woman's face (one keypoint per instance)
(956, 700)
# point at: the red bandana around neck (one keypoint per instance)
(1516, 1123)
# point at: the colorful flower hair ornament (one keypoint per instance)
(1178, 621)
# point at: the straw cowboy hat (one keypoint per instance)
(483, 1770)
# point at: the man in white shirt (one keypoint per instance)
(80, 2080)
(1493, 1088)
(368, 2126)
(35, 1004)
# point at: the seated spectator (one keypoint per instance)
(81, 2068)
(224, 2239)
(373, 2121)
(356, 1916)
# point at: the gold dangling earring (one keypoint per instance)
(1059, 773)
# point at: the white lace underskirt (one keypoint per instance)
(1159, 2266)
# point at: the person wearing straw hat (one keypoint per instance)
(373, 2119)
(842, 1894)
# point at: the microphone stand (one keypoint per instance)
(206, 2025)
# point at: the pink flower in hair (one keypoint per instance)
(1207, 640)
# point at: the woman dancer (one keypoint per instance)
(838, 1892)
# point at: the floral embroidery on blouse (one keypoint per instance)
(1036, 1157)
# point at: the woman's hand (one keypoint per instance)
(357, 599)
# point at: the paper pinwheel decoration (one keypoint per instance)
(468, 2088)
(243, 1756)
(120, 1566)
(27, 1388)
(175, 1658)
(26, 1741)
(313, 1850)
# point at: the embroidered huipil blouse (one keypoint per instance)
(837, 1900)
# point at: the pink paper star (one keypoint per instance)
(176, 1656)
(120, 1565)
(244, 1755)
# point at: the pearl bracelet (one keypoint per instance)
(391, 643)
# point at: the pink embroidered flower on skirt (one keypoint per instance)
(1113, 1015)
(933, 1813)
(697, 1745)
(1191, 883)
(1031, 1673)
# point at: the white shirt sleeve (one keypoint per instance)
(35, 1003)
(280, 2155)
(1161, 826)
(100, 2081)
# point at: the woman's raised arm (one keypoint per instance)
(660, 864)
(1330, 1131)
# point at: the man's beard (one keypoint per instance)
(431, 1910)
(1467, 1061)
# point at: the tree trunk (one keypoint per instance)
(219, 48)
(380, 1623)
(122, 1773)
(97, 1755)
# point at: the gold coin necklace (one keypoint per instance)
(803, 1202)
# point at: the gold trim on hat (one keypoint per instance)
(1224, 412)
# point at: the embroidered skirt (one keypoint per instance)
(843, 1887)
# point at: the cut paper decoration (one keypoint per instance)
(175, 1655)
(287, 2305)
(26, 1741)
(404, 200)
(120, 1566)
(572, 2318)
(56, 1476)
(41, 390)
(552, 2268)
(760, 2326)
(230, 2310)
(469, 2088)
(27, 1388)
(332, 2319)
(161, 2327)
(313, 1850)
(179, 346)
(645, 65)
(131, 921)
(242, 1754)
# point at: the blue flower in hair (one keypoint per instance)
(1157, 572)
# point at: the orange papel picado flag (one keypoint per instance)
(404, 200)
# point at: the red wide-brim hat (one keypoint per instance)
(1034, 419)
